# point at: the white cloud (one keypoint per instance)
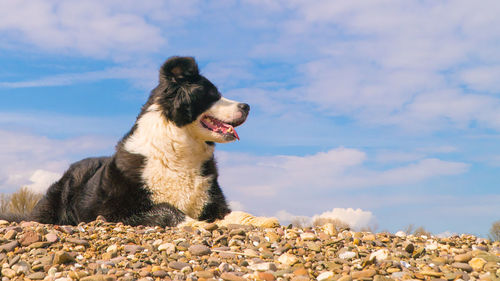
(410, 64)
(337, 168)
(104, 29)
(41, 180)
(355, 218)
(21, 155)
(143, 77)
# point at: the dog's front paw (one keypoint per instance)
(238, 217)
(192, 223)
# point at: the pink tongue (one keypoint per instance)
(222, 126)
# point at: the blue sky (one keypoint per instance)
(381, 113)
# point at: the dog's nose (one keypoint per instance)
(244, 107)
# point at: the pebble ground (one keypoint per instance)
(108, 251)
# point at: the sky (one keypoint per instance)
(381, 113)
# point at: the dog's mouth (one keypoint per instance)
(217, 126)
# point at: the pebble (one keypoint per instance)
(62, 257)
(9, 247)
(347, 255)
(462, 266)
(363, 274)
(29, 237)
(477, 264)
(9, 273)
(178, 265)
(265, 266)
(11, 234)
(307, 236)
(36, 276)
(288, 259)
(51, 237)
(328, 275)
(199, 250)
(231, 277)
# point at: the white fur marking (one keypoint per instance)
(225, 110)
(174, 157)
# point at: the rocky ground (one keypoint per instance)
(108, 251)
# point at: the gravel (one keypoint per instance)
(112, 251)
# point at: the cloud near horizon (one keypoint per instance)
(32, 160)
(356, 218)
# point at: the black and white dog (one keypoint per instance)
(163, 171)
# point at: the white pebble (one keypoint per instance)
(400, 234)
(347, 255)
(325, 276)
(380, 255)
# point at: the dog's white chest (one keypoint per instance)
(172, 171)
(186, 190)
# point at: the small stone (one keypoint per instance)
(51, 237)
(418, 253)
(477, 264)
(231, 277)
(401, 234)
(99, 277)
(112, 249)
(345, 278)
(62, 257)
(82, 242)
(178, 265)
(308, 236)
(300, 278)
(463, 257)
(160, 273)
(288, 259)
(3, 222)
(330, 229)
(132, 249)
(266, 276)
(211, 227)
(204, 274)
(347, 255)
(363, 274)
(431, 273)
(223, 267)
(380, 255)
(109, 255)
(38, 245)
(265, 266)
(11, 234)
(300, 271)
(167, 247)
(21, 267)
(9, 247)
(29, 238)
(36, 276)
(199, 250)
(409, 247)
(369, 237)
(463, 266)
(9, 273)
(325, 276)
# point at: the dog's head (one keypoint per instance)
(190, 100)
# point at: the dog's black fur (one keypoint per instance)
(112, 186)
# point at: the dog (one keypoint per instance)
(163, 172)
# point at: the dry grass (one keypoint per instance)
(495, 231)
(21, 202)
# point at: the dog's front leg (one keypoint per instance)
(162, 215)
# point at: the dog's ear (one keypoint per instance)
(179, 69)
